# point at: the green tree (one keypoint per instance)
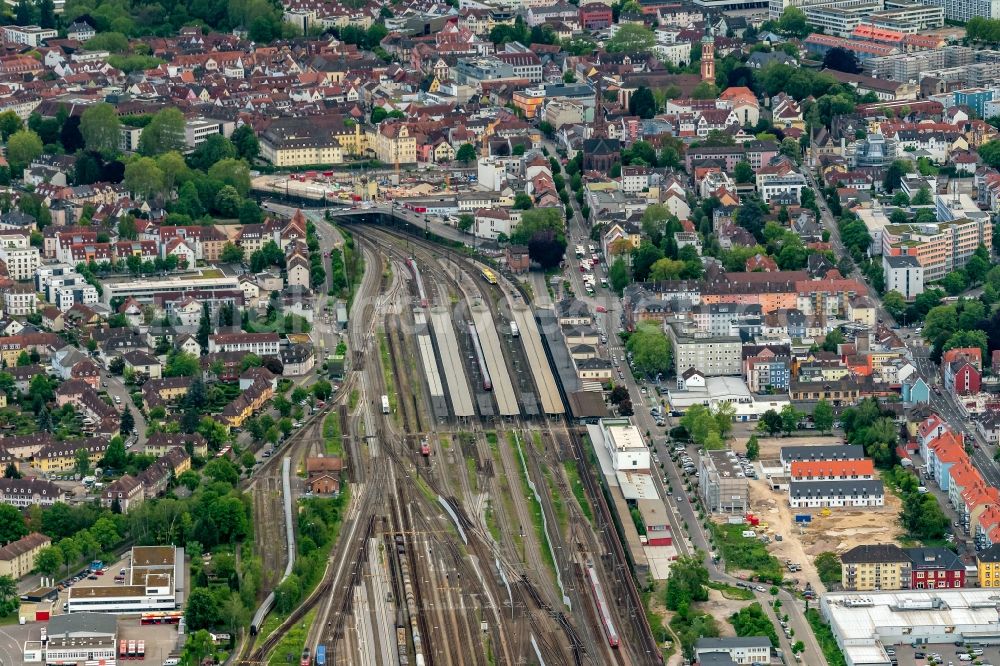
(651, 351)
(789, 419)
(221, 469)
(181, 364)
(144, 178)
(101, 129)
(23, 146)
(687, 583)
(12, 525)
(213, 149)
(164, 133)
(642, 103)
(832, 340)
(793, 23)
(954, 282)
(202, 609)
(828, 567)
(618, 275)
(770, 422)
(232, 172)
(82, 464)
(753, 448)
(631, 38)
(522, 201)
(246, 143)
(894, 304)
(743, 172)
(466, 153)
(823, 416)
(10, 123)
(115, 456)
(49, 561)
(231, 254)
(198, 646)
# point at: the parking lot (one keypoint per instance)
(905, 655)
(110, 571)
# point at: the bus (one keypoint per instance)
(131, 649)
(579, 252)
(385, 404)
(122, 649)
(140, 650)
(161, 617)
(489, 276)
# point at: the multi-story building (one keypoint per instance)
(626, 447)
(963, 10)
(17, 559)
(740, 650)
(839, 18)
(988, 566)
(850, 493)
(832, 470)
(711, 355)
(261, 344)
(976, 99)
(312, 140)
(61, 456)
(19, 300)
(875, 567)
(151, 583)
(526, 65)
(393, 143)
(940, 248)
(767, 367)
(30, 491)
(21, 261)
(30, 35)
(888, 567)
(903, 274)
(722, 485)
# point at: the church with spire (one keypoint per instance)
(600, 153)
(708, 55)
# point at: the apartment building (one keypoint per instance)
(30, 491)
(261, 344)
(711, 355)
(875, 567)
(963, 10)
(940, 248)
(19, 300)
(30, 35)
(839, 493)
(21, 261)
(17, 559)
(988, 566)
(903, 274)
(832, 470)
(722, 485)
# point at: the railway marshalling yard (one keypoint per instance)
(464, 542)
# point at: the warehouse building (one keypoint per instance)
(154, 582)
(864, 624)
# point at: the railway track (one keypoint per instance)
(446, 278)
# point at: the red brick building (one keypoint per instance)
(595, 16)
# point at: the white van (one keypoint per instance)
(749, 534)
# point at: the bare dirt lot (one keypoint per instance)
(770, 447)
(840, 531)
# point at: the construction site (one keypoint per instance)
(826, 530)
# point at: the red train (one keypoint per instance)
(306, 658)
(602, 607)
(425, 447)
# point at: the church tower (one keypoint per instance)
(708, 56)
(600, 125)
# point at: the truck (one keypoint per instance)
(385, 404)
(514, 331)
